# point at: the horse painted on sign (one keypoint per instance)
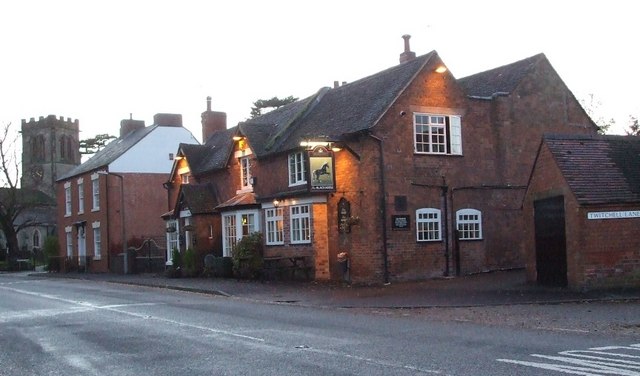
(323, 170)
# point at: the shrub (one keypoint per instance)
(247, 256)
(189, 262)
(51, 249)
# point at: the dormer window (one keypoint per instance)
(245, 173)
(297, 173)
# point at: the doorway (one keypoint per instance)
(551, 243)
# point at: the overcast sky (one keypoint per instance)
(100, 61)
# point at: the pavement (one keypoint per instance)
(484, 289)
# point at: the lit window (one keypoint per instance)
(275, 226)
(437, 134)
(469, 223)
(235, 226)
(184, 178)
(300, 224)
(297, 168)
(428, 225)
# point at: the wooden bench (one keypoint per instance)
(285, 265)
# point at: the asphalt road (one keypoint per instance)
(73, 327)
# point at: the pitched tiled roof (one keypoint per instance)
(199, 198)
(241, 199)
(211, 156)
(501, 80)
(599, 169)
(331, 113)
(111, 152)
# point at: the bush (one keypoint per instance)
(189, 262)
(51, 250)
(247, 256)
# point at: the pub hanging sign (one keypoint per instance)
(321, 170)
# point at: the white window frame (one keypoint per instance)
(97, 241)
(235, 225)
(469, 224)
(297, 168)
(274, 223)
(428, 225)
(245, 173)
(95, 192)
(69, 237)
(173, 239)
(439, 134)
(184, 178)
(300, 224)
(67, 199)
(80, 196)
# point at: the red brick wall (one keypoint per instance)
(600, 253)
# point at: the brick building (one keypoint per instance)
(582, 212)
(114, 195)
(412, 172)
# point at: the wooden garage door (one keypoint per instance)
(551, 244)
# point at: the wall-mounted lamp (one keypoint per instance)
(313, 144)
(276, 202)
(178, 157)
(237, 138)
(253, 180)
(441, 69)
(336, 148)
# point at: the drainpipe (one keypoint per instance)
(385, 257)
(445, 230)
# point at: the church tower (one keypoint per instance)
(50, 148)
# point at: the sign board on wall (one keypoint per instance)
(614, 214)
(400, 222)
(321, 170)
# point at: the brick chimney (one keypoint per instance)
(168, 120)
(129, 125)
(212, 122)
(407, 55)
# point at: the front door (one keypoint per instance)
(551, 244)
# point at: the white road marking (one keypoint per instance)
(596, 361)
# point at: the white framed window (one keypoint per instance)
(437, 134)
(235, 226)
(97, 247)
(36, 239)
(67, 199)
(95, 192)
(69, 237)
(80, 197)
(275, 226)
(469, 224)
(300, 224)
(245, 173)
(428, 225)
(188, 235)
(173, 241)
(297, 168)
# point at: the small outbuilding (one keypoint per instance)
(582, 209)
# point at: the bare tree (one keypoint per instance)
(15, 203)
(634, 127)
(592, 107)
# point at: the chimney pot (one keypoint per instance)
(407, 55)
(212, 122)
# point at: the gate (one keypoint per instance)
(551, 244)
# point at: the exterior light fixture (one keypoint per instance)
(312, 144)
(441, 69)
(237, 138)
(276, 202)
